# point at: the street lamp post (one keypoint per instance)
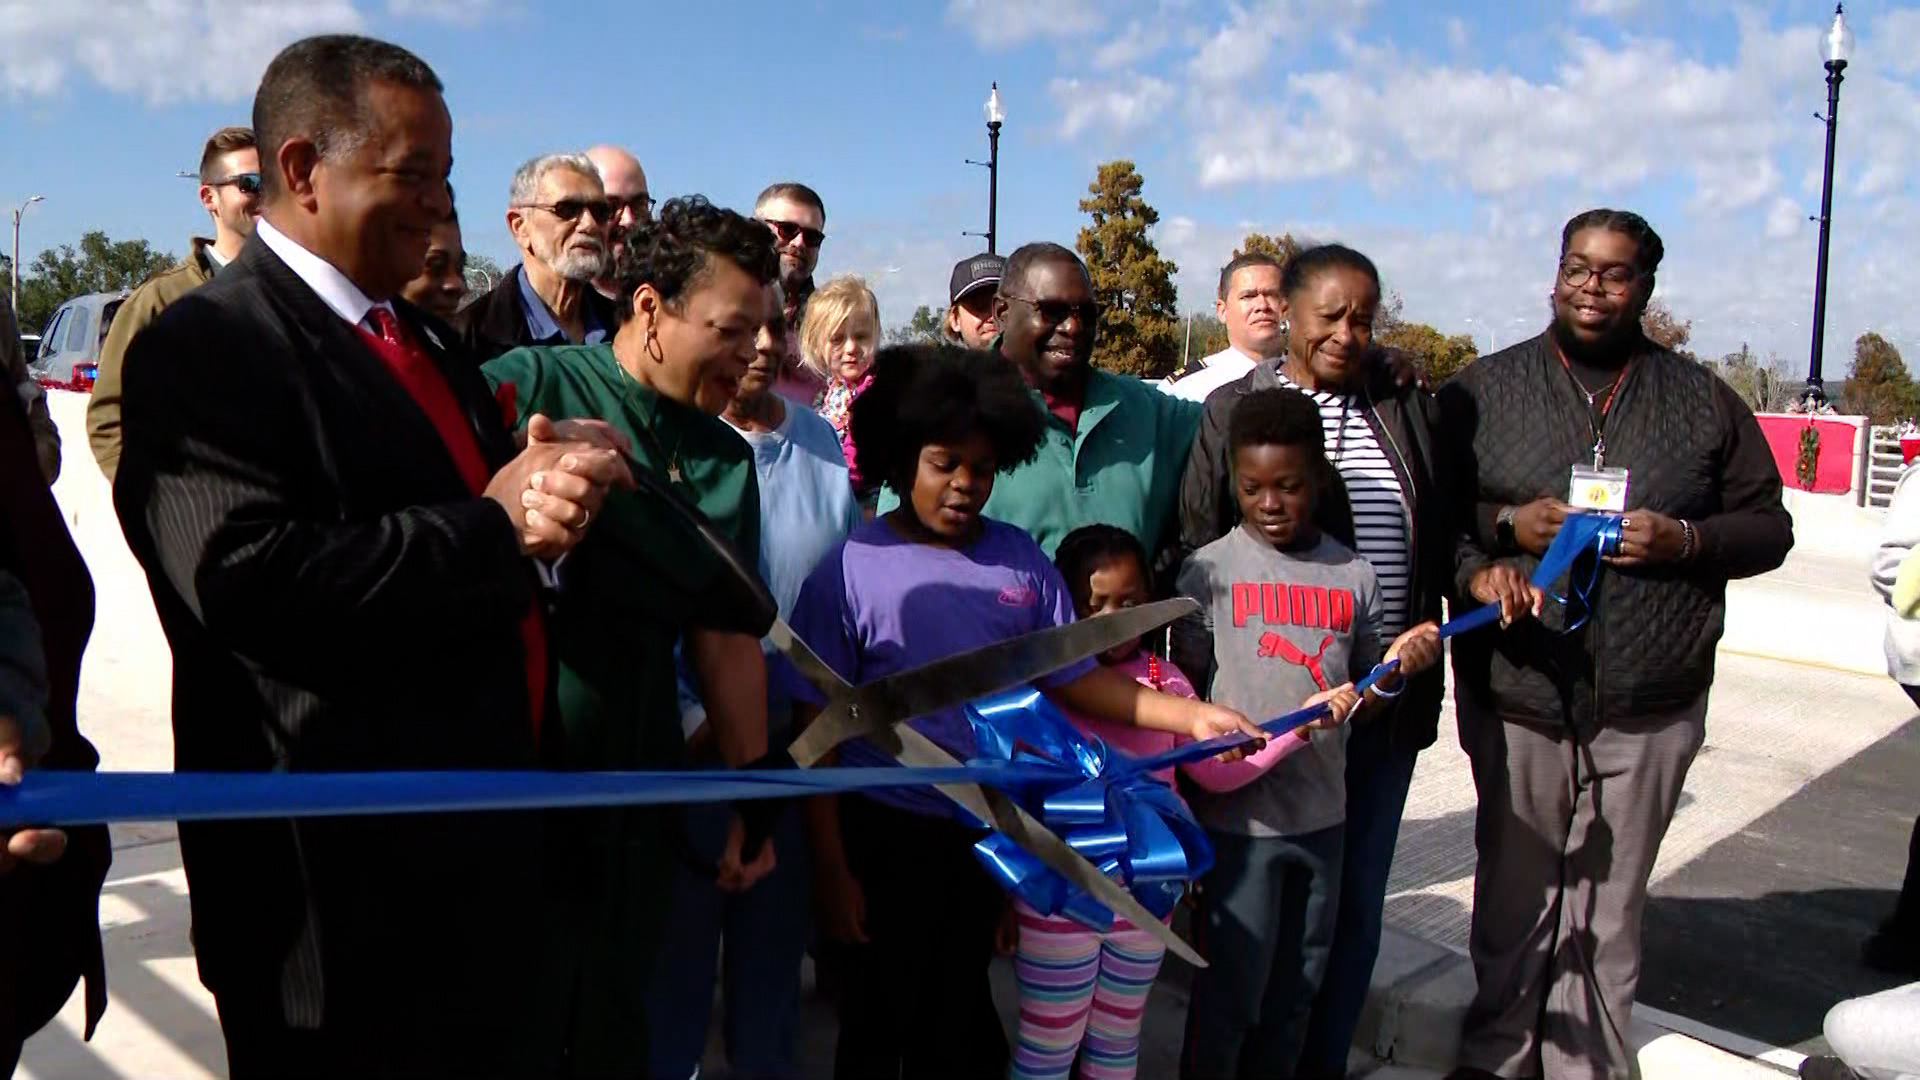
(996, 115)
(1837, 48)
(13, 296)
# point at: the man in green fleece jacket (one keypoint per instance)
(1115, 447)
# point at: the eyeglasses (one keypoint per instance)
(787, 230)
(571, 209)
(1614, 279)
(642, 205)
(247, 182)
(1056, 312)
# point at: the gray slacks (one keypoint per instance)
(1567, 832)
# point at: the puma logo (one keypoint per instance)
(1274, 646)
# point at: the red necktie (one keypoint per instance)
(423, 382)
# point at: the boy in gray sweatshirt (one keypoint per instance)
(1286, 612)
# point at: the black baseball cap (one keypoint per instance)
(974, 273)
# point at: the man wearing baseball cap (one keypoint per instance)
(970, 304)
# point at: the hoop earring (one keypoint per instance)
(653, 350)
(1285, 326)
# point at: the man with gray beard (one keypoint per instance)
(558, 213)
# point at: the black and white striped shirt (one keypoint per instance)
(1381, 526)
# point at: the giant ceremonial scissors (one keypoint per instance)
(878, 711)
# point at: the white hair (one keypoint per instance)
(526, 179)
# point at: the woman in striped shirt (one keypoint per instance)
(1387, 503)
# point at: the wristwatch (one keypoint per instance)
(1503, 528)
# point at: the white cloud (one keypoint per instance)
(1606, 119)
(456, 12)
(1000, 24)
(1457, 35)
(1122, 105)
(160, 50)
(1135, 43)
(1608, 8)
(1784, 218)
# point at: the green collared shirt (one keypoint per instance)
(1121, 465)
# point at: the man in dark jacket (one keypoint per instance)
(1387, 502)
(558, 212)
(49, 879)
(1581, 726)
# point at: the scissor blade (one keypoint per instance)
(876, 706)
(807, 662)
(1003, 814)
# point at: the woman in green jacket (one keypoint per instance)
(693, 292)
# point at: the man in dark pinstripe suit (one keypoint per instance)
(341, 537)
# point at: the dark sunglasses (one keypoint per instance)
(571, 209)
(1055, 312)
(247, 182)
(642, 205)
(787, 230)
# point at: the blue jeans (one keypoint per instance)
(764, 932)
(1265, 925)
(1378, 777)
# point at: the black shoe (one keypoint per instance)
(1892, 951)
(1826, 1068)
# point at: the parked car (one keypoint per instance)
(69, 356)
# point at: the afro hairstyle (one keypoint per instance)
(936, 393)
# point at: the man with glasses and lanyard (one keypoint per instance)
(230, 192)
(1581, 725)
(558, 212)
(1115, 447)
(798, 219)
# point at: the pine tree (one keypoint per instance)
(1282, 247)
(1879, 386)
(1139, 315)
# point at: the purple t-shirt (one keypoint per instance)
(879, 604)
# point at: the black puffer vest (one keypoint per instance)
(1648, 646)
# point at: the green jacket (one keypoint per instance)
(136, 312)
(630, 588)
(1121, 466)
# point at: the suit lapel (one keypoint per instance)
(334, 352)
(470, 388)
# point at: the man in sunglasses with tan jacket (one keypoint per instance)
(230, 192)
(798, 221)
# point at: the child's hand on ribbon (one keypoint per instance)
(1340, 701)
(1212, 721)
(1417, 650)
(1504, 584)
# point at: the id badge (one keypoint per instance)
(1598, 489)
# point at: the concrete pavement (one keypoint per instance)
(1775, 730)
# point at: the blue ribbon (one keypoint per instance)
(1105, 803)
(63, 797)
(1111, 810)
(1583, 533)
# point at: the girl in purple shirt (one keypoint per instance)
(896, 881)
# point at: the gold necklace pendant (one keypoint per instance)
(673, 470)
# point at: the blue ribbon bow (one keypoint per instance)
(1105, 805)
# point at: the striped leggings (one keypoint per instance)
(1081, 992)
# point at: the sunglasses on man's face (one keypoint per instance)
(1055, 312)
(247, 182)
(571, 209)
(787, 230)
(642, 205)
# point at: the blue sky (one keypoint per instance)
(1447, 140)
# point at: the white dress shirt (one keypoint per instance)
(346, 300)
(1220, 369)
